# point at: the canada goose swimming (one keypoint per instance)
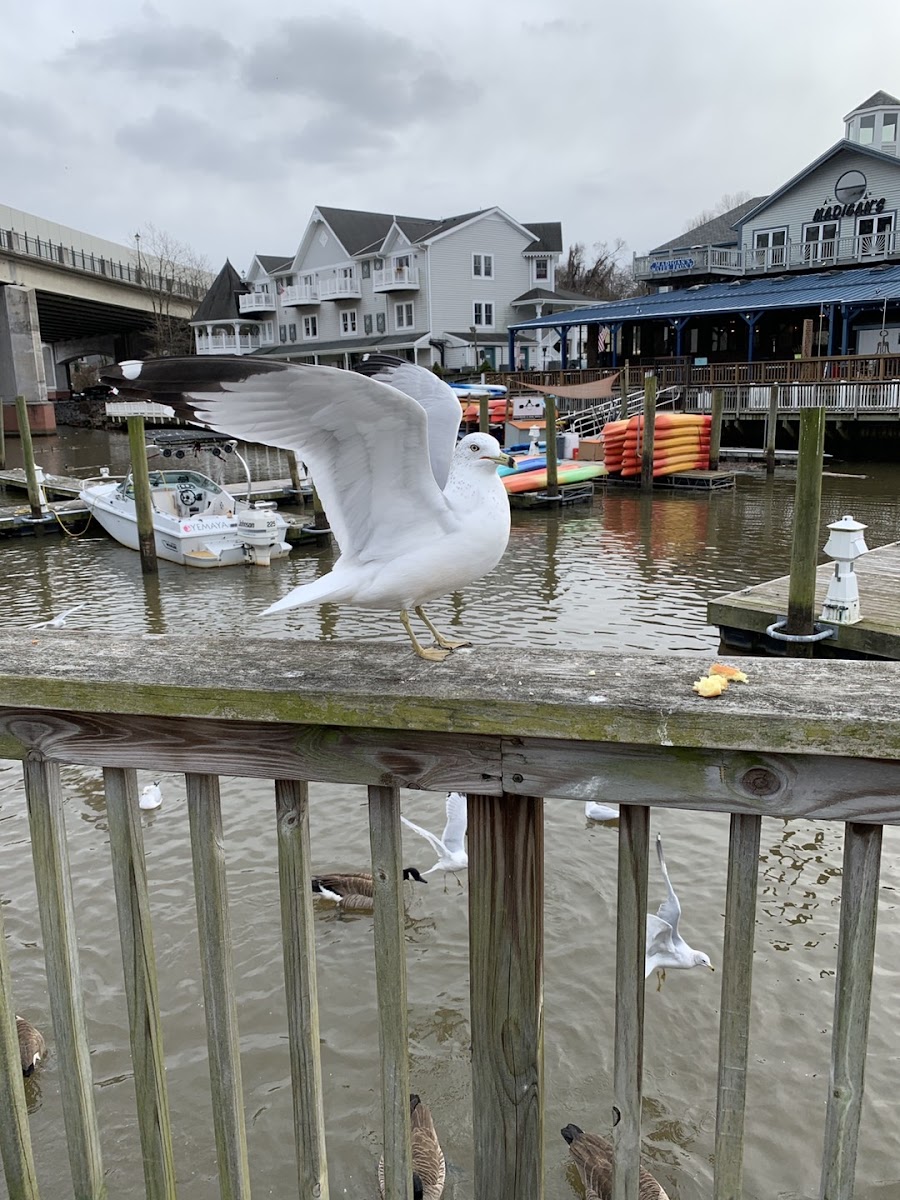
(427, 1156)
(354, 891)
(151, 795)
(665, 945)
(450, 847)
(32, 1046)
(593, 1156)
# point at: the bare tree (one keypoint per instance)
(171, 272)
(599, 273)
(725, 204)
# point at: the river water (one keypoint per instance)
(624, 574)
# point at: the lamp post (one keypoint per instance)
(845, 545)
(137, 250)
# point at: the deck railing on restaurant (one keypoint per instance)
(816, 739)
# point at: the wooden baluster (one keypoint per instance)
(15, 1138)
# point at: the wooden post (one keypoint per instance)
(506, 967)
(771, 429)
(550, 441)
(631, 939)
(647, 432)
(141, 989)
(715, 431)
(299, 952)
(852, 1003)
(320, 519)
(140, 477)
(294, 470)
(806, 343)
(737, 973)
(805, 544)
(15, 1137)
(217, 971)
(53, 882)
(623, 401)
(484, 414)
(390, 982)
(2, 440)
(34, 491)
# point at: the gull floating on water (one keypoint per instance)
(416, 515)
(151, 795)
(600, 812)
(450, 847)
(665, 945)
(60, 619)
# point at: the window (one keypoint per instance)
(403, 316)
(348, 322)
(310, 327)
(483, 266)
(282, 333)
(819, 241)
(889, 127)
(366, 269)
(380, 322)
(307, 280)
(541, 268)
(483, 314)
(400, 268)
(379, 264)
(873, 233)
(288, 281)
(292, 333)
(367, 323)
(771, 244)
(867, 130)
(267, 329)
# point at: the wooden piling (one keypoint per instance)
(34, 491)
(506, 939)
(550, 442)
(2, 440)
(805, 543)
(647, 432)
(715, 431)
(623, 394)
(320, 518)
(140, 477)
(15, 1137)
(484, 414)
(771, 429)
(294, 469)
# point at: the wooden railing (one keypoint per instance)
(815, 739)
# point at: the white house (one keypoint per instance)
(436, 291)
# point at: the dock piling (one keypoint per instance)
(140, 476)
(805, 544)
(550, 436)
(38, 506)
(647, 432)
(715, 433)
(771, 429)
(484, 414)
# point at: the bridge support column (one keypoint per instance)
(22, 360)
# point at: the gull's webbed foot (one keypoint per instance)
(429, 653)
(446, 643)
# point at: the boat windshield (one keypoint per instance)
(193, 480)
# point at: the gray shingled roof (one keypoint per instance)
(385, 341)
(548, 235)
(271, 262)
(559, 296)
(221, 301)
(877, 100)
(717, 232)
(358, 231)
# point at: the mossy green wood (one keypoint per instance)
(140, 477)
(852, 1005)
(631, 938)
(217, 969)
(299, 951)
(71, 1050)
(15, 1137)
(390, 981)
(734, 1023)
(506, 967)
(34, 498)
(805, 542)
(141, 988)
(550, 444)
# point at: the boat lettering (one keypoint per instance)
(205, 524)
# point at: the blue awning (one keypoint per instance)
(857, 286)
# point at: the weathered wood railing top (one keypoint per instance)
(815, 738)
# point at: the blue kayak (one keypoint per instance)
(524, 464)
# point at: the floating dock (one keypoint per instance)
(705, 481)
(67, 487)
(744, 616)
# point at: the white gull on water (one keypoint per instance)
(416, 514)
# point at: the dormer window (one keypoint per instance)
(867, 130)
(483, 266)
(541, 269)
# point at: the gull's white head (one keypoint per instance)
(701, 960)
(479, 449)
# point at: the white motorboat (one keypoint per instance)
(196, 522)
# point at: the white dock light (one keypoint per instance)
(845, 545)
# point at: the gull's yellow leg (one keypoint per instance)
(661, 977)
(439, 637)
(426, 652)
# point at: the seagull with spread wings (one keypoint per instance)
(416, 515)
(665, 945)
(450, 847)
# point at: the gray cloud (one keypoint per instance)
(338, 138)
(178, 140)
(155, 50)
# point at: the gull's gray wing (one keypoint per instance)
(365, 443)
(439, 400)
(659, 942)
(670, 909)
(454, 837)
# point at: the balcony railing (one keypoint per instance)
(301, 293)
(396, 279)
(227, 345)
(139, 272)
(256, 302)
(702, 260)
(339, 287)
(319, 712)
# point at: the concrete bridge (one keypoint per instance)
(65, 295)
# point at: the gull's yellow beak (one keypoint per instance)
(502, 460)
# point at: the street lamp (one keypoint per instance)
(137, 250)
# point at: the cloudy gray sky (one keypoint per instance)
(225, 122)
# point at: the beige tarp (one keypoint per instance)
(599, 389)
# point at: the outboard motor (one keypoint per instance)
(258, 530)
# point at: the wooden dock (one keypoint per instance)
(63, 516)
(744, 616)
(704, 481)
(67, 487)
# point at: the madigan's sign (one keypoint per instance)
(861, 209)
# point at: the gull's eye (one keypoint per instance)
(474, 447)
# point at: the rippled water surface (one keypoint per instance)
(624, 574)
